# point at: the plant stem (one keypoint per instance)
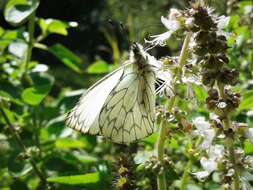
(31, 26)
(185, 175)
(230, 141)
(161, 179)
(22, 146)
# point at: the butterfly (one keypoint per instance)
(120, 106)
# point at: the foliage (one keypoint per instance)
(37, 151)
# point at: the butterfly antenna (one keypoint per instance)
(125, 33)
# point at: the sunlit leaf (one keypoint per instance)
(150, 139)
(248, 147)
(53, 26)
(67, 57)
(200, 93)
(247, 101)
(34, 95)
(98, 67)
(86, 179)
(17, 11)
(68, 143)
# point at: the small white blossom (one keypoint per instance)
(208, 164)
(222, 105)
(174, 14)
(159, 39)
(201, 124)
(216, 152)
(202, 175)
(204, 130)
(223, 22)
(189, 22)
(194, 79)
(172, 24)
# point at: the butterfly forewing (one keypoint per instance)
(84, 116)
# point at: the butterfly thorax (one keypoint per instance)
(140, 58)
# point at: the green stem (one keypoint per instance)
(31, 26)
(22, 146)
(161, 179)
(185, 175)
(230, 141)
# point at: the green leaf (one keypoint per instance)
(67, 57)
(6, 96)
(58, 27)
(200, 93)
(151, 140)
(247, 101)
(99, 67)
(248, 147)
(53, 26)
(68, 143)
(86, 179)
(34, 95)
(17, 11)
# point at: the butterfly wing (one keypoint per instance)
(128, 112)
(84, 116)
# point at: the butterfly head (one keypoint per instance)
(138, 54)
(142, 58)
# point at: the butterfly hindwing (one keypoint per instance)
(128, 112)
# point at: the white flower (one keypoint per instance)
(189, 22)
(172, 24)
(223, 22)
(208, 164)
(249, 134)
(159, 39)
(174, 14)
(222, 105)
(194, 79)
(216, 152)
(201, 124)
(202, 175)
(204, 130)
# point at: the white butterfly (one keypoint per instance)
(120, 106)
